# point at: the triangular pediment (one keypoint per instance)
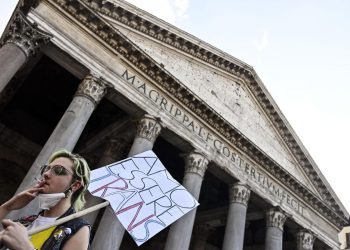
(229, 94)
(229, 97)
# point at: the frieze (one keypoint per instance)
(239, 193)
(149, 128)
(26, 35)
(83, 12)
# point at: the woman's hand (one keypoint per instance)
(15, 236)
(20, 200)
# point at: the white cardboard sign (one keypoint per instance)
(142, 193)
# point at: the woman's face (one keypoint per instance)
(59, 175)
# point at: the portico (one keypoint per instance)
(121, 95)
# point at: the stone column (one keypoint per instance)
(275, 219)
(148, 130)
(305, 240)
(22, 41)
(179, 236)
(68, 130)
(235, 224)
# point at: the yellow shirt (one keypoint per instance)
(39, 239)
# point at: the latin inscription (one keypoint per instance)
(245, 168)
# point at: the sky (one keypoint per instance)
(301, 51)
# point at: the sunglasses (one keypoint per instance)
(55, 170)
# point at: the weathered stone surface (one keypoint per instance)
(195, 167)
(154, 93)
(236, 218)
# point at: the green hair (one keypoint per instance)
(81, 173)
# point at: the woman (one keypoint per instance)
(61, 193)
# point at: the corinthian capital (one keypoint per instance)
(92, 88)
(26, 35)
(305, 240)
(149, 128)
(239, 193)
(196, 162)
(275, 217)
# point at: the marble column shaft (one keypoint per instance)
(275, 219)
(179, 236)
(68, 130)
(305, 240)
(235, 224)
(22, 40)
(148, 130)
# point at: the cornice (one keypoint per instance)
(84, 11)
(231, 66)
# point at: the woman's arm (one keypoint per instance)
(79, 241)
(18, 201)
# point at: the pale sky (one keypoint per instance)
(301, 51)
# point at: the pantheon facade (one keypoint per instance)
(108, 80)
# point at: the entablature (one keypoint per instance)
(84, 12)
